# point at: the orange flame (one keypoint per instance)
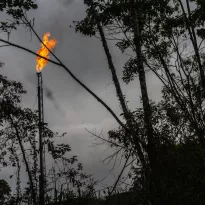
(43, 51)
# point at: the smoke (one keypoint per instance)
(31, 78)
(50, 96)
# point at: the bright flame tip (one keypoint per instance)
(43, 51)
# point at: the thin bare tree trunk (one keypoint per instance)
(143, 86)
(151, 176)
(25, 161)
(121, 97)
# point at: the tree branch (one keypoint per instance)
(75, 78)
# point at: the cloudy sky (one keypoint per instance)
(72, 109)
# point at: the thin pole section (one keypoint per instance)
(41, 154)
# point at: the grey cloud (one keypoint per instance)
(65, 2)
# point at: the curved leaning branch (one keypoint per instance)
(30, 51)
(117, 85)
(74, 77)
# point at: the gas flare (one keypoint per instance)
(43, 51)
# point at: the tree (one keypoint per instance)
(107, 13)
(16, 10)
(18, 143)
(179, 153)
(4, 191)
(158, 26)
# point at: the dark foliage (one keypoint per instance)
(16, 9)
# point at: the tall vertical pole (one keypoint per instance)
(41, 146)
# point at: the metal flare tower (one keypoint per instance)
(41, 140)
(46, 46)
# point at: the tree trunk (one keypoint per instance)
(25, 161)
(151, 147)
(143, 86)
(121, 97)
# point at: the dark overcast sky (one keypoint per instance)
(73, 109)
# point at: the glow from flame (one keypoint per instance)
(43, 51)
